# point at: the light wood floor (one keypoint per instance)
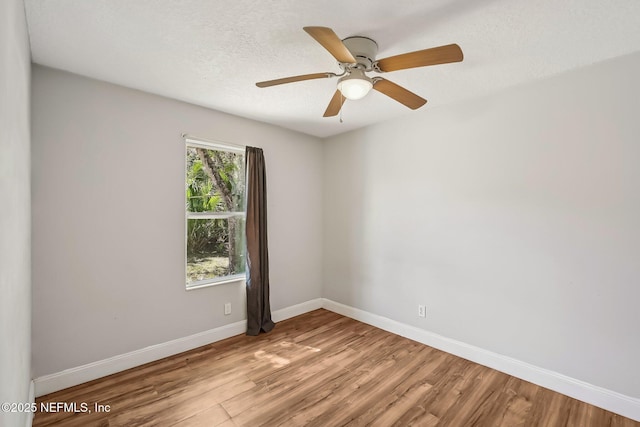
(320, 369)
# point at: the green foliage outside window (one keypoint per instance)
(214, 185)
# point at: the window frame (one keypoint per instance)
(191, 141)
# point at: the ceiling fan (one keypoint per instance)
(357, 56)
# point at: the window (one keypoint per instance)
(215, 213)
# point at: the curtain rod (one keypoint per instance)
(211, 141)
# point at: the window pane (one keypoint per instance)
(215, 248)
(215, 181)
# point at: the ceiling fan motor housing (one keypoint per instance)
(363, 49)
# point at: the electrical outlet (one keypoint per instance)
(227, 308)
(422, 311)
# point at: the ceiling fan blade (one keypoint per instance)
(422, 58)
(334, 105)
(294, 79)
(330, 41)
(399, 93)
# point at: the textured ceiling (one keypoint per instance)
(211, 52)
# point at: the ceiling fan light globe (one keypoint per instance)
(355, 88)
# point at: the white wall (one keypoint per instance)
(515, 218)
(108, 219)
(15, 210)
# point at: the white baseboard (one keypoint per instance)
(296, 310)
(610, 400)
(91, 371)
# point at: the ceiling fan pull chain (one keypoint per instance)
(342, 96)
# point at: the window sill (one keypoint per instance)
(223, 281)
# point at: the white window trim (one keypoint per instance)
(216, 145)
(236, 278)
(192, 141)
(214, 215)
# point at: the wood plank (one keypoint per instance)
(211, 417)
(320, 369)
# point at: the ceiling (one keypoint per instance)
(212, 52)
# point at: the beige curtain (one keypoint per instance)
(258, 308)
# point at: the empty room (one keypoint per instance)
(241, 213)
